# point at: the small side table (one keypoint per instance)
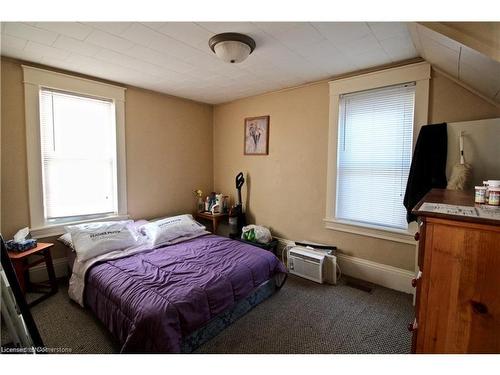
(21, 266)
(214, 218)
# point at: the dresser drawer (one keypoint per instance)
(458, 300)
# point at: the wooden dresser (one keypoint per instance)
(457, 308)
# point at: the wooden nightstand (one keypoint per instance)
(21, 266)
(214, 218)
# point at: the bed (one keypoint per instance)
(174, 298)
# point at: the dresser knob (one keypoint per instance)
(412, 326)
(417, 236)
(479, 308)
(415, 280)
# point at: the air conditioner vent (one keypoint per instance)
(305, 257)
(306, 263)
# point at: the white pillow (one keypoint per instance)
(93, 239)
(170, 229)
(66, 240)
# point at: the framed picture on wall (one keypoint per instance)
(257, 135)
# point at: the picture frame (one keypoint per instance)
(256, 135)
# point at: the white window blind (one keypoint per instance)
(78, 145)
(374, 155)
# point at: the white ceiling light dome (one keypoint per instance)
(232, 51)
(232, 47)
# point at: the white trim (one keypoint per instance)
(384, 233)
(39, 273)
(34, 79)
(420, 73)
(393, 76)
(55, 80)
(377, 273)
(58, 229)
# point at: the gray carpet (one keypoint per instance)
(304, 317)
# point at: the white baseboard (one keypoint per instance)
(373, 272)
(39, 272)
(377, 273)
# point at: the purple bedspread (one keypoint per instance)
(150, 300)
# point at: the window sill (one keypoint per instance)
(389, 234)
(58, 229)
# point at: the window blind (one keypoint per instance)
(374, 155)
(78, 149)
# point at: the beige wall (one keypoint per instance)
(169, 152)
(15, 213)
(287, 189)
(450, 102)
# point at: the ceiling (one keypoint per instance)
(174, 57)
(461, 62)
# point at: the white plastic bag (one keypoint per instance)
(262, 234)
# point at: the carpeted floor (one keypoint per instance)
(303, 317)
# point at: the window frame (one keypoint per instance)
(420, 73)
(34, 80)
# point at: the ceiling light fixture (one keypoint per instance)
(232, 47)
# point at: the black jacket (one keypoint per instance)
(428, 165)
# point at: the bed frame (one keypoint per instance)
(215, 326)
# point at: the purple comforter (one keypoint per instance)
(150, 300)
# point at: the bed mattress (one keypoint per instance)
(151, 300)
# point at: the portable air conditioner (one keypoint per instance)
(312, 264)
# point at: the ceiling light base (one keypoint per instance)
(232, 47)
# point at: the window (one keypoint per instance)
(374, 155)
(373, 122)
(75, 134)
(78, 147)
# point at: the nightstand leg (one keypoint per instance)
(20, 270)
(214, 225)
(50, 271)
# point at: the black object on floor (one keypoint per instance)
(270, 246)
(359, 284)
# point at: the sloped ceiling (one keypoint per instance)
(467, 65)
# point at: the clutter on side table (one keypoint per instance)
(24, 245)
(22, 241)
(200, 205)
(215, 203)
